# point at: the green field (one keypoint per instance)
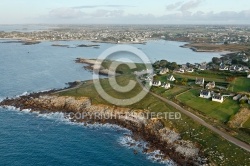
(220, 111)
(123, 68)
(215, 146)
(207, 77)
(247, 124)
(169, 93)
(241, 85)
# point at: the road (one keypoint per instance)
(226, 136)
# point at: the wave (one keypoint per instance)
(61, 117)
(26, 94)
(57, 116)
(106, 125)
(155, 156)
(23, 94)
(11, 108)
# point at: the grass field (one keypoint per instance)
(247, 124)
(222, 47)
(169, 93)
(241, 85)
(220, 111)
(207, 77)
(122, 67)
(214, 146)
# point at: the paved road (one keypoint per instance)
(226, 136)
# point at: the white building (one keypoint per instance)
(190, 70)
(218, 98)
(166, 85)
(199, 81)
(171, 78)
(210, 85)
(205, 94)
(164, 71)
(155, 83)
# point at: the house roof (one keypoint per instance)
(217, 96)
(205, 92)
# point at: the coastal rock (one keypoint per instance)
(151, 130)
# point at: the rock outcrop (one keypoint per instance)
(81, 109)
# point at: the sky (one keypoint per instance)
(125, 12)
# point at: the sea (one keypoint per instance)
(31, 139)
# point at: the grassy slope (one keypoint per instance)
(219, 150)
(247, 124)
(216, 47)
(241, 85)
(207, 77)
(169, 93)
(221, 111)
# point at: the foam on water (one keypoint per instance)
(28, 93)
(155, 156)
(107, 125)
(10, 108)
(23, 94)
(60, 117)
(57, 116)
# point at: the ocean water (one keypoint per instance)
(32, 139)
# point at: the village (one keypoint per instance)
(136, 33)
(209, 89)
(213, 92)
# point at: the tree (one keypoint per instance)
(235, 61)
(163, 63)
(216, 60)
(173, 65)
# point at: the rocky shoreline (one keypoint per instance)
(151, 130)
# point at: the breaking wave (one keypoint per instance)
(139, 146)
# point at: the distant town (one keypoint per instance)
(139, 33)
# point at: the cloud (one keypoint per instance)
(118, 16)
(71, 13)
(106, 13)
(173, 6)
(65, 13)
(190, 5)
(199, 17)
(184, 6)
(98, 6)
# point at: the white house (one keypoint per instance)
(210, 85)
(155, 83)
(203, 67)
(190, 70)
(199, 81)
(223, 68)
(166, 85)
(164, 71)
(217, 97)
(181, 70)
(245, 59)
(205, 94)
(248, 76)
(171, 78)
